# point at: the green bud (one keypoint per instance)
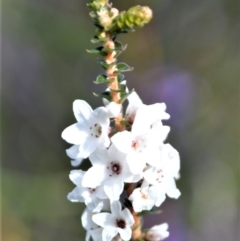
(135, 17)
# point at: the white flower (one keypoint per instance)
(74, 154)
(146, 197)
(91, 130)
(110, 170)
(163, 176)
(154, 112)
(141, 144)
(92, 230)
(141, 200)
(157, 233)
(118, 221)
(91, 196)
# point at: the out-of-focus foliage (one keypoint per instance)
(188, 57)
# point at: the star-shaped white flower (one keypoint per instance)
(118, 221)
(110, 170)
(93, 197)
(163, 176)
(157, 232)
(155, 112)
(141, 144)
(91, 130)
(145, 197)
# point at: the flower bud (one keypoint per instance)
(157, 233)
(97, 4)
(136, 16)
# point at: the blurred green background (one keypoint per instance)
(188, 57)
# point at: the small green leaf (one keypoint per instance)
(93, 51)
(120, 46)
(120, 77)
(97, 50)
(102, 79)
(123, 67)
(95, 40)
(105, 95)
(104, 64)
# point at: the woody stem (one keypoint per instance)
(111, 72)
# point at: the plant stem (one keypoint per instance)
(112, 74)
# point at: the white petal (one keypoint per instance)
(134, 104)
(141, 200)
(157, 194)
(73, 151)
(115, 154)
(75, 134)
(158, 133)
(113, 189)
(136, 162)
(99, 156)
(88, 236)
(86, 219)
(88, 146)
(172, 190)
(109, 233)
(76, 162)
(93, 177)
(100, 116)
(150, 175)
(94, 204)
(134, 178)
(82, 110)
(113, 109)
(123, 141)
(157, 112)
(173, 159)
(174, 193)
(128, 217)
(76, 176)
(100, 193)
(75, 196)
(116, 208)
(153, 156)
(141, 123)
(101, 219)
(157, 232)
(96, 234)
(125, 233)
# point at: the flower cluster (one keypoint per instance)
(132, 168)
(136, 156)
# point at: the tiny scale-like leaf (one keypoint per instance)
(123, 67)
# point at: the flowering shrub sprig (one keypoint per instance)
(132, 170)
